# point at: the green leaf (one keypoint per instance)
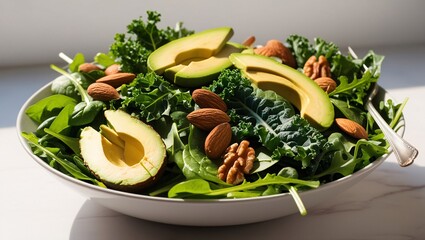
(72, 143)
(104, 59)
(68, 166)
(76, 62)
(150, 97)
(348, 111)
(61, 123)
(85, 113)
(268, 118)
(48, 107)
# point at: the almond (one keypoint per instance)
(218, 140)
(112, 69)
(87, 67)
(207, 99)
(327, 84)
(275, 48)
(351, 128)
(207, 118)
(117, 79)
(102, 92)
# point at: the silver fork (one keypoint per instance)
(404, 151)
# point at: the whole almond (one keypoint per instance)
(87, 67)
(218, 140)
(207, 99)
(275, 48)
(207, 118)
(117, 79)
(327, 84)
(102, 92)
(351, 128)
(112, 69)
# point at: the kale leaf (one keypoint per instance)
(132, 49)
(149, 97)
(268, 118)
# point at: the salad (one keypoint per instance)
(223, 136)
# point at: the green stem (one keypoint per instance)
(84, 96)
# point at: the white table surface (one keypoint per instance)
(388, 204)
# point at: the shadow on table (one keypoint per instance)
(388, 204)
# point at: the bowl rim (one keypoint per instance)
(19, 128)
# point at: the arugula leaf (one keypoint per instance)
(195, 187)
(69, 167)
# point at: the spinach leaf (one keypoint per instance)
(104, 59)
(62, 85)
(87, 110)
(193, 162)
(48, 107)
(76, 62)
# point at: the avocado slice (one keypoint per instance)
(268, 74)
(129, 156)
(200, 45)
(202, 72)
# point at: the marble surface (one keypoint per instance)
(388, 204)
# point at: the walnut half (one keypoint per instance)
(238, 160)
(316, 68)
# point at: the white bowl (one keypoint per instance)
(220, 212)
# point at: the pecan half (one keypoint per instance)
(316, 68)
(238, 161)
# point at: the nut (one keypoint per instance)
(218, 140)
(112, 69)
(87, 67)
(207, 99)
(314, 68)
(327, 84)
(249, 41)
(238, 161)
(117, 79)
(207, 118)
(351, 128)
(102, 92)
(275, 48)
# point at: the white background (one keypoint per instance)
(34, 32)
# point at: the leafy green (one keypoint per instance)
(48, 107)
(86, 111)
(268, 118)
(132, 50)
(150, 97)
(194, 188)
(193, 162)
(67, 166)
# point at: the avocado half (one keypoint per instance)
(128, 156)
(268, 74)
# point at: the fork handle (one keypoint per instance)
(403, 150)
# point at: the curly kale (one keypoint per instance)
(132, 49)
